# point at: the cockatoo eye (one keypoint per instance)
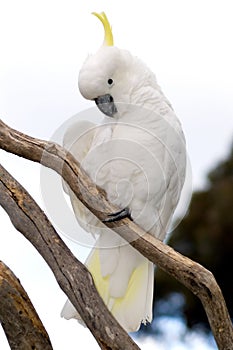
(110, 81)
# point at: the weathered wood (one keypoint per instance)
(194, 276)
(22, 326)
(72, 276)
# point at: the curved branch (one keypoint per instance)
(72, 276)
(21, 324)
(194, 276)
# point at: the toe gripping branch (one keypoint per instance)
(119, 215)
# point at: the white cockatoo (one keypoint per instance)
(137, 155)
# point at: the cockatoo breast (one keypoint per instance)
(135, 160)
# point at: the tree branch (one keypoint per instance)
(72, 276)
(19, 319)
(194, 276)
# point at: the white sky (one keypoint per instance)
(188, 44)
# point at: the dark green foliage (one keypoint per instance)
(206, 236)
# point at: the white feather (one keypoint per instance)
(139, 159)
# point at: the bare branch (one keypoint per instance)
(19, 319)
(72, 276)
(194, 276)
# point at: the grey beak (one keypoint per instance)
(106, 105)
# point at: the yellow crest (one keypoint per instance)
(108, 37)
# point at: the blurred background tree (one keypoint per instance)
(206, 236)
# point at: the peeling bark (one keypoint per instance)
(21, 324)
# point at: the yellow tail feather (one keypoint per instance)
(135, 306)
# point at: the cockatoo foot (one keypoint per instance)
(119, 215)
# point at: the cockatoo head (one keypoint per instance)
(110, 76)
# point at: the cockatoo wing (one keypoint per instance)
(78, 140)
(138, 169)
(123, 277)
(142, 167)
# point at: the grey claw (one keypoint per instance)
(119, 215)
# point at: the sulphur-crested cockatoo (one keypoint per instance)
(137, 155)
